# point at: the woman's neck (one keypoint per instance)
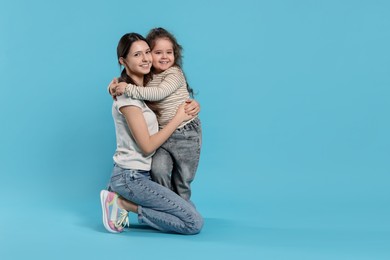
(138, 79)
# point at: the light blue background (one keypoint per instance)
(295, 112)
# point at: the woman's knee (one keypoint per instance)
(196, 225)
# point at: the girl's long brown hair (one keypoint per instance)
(158, 33)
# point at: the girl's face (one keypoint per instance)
(163, 55)
(139, 59)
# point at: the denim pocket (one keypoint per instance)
(117, 178)
(139, 174)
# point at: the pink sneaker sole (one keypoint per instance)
(105, 198)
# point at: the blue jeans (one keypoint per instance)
(174, 164)
(158, 206)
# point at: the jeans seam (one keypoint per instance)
(170, 202)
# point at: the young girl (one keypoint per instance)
(175, 162)
(137, 138)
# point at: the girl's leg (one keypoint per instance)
(162, 166)
(184, 147)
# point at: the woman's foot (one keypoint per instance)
(115, 219)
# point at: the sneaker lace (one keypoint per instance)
(123, 220)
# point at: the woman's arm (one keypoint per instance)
(139, 129)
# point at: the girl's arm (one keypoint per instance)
(139, 129)
(172, 81)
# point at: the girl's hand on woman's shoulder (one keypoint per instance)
(112, 86)
(120, 88)
(116, 88)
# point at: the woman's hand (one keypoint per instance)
(181, 113)
(192, 107)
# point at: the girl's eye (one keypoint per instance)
(169, 52)
(158, 52)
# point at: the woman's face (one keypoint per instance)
(139, 59)
(163, 55)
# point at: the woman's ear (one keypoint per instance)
(121, 61)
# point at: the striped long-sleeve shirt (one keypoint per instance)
(169, 88)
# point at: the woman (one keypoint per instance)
(137, 138)
(175, 163)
